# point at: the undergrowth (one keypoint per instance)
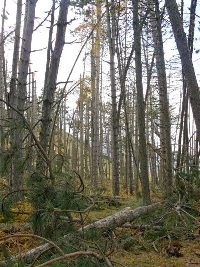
(152, 234)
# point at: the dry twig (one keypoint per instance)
(76, 254)
(34, 236)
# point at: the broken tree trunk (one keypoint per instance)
(108, 223)
(119, 218)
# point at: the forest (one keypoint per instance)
(99, 133)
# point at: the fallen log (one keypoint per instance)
(108, 223)
(120, 218)
(141, 227)
(27, 257)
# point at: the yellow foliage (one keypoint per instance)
(22, 210)
(4, 182)
(16, 245)
(81, 28)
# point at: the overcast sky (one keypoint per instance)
(40, 37)
(39, 41)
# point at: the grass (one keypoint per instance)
(154, 259)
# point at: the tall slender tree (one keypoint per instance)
(186, 60)
(19, 91)
(2, 79)
(165, 123)
(140, 106)
(111, 31)
(50, 85)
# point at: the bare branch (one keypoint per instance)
(4, 238)
(48, 162)
(76, 254)
(4, 39)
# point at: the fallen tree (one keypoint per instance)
(119, 218)
(108, 223)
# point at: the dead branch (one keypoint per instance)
(76, 254)
(4, 238)
(14, 227)
(29, 128)
(27, 256)
(7, 195)
(110, 222)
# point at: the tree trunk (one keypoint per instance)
(115, 124)
(49, 48)
(50, 89)
(19, 93)
(81, 123)
(86, 142)
(2, 82)
(187, 65)
(119, 218)
(94, 114)
(140, 107)
(13, 80)
(165, 124)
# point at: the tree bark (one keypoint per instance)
(115, 122)
(187, 65)
(2, 82)
(13, 80)
(95, 111)
(165, 124)
(50, 89)
(140, 107)
(19, 91)
(119, 218)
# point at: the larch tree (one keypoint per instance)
(111, 33)
(81, 125)
(2, 80)
(184, 159)
(94, 115)
(165, 123)
(13, 94)
(42, 181)
(140, 106)
(50, 88)
(16, 51)
(186, 60)
(19, 90)
(124, 62)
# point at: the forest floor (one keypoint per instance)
(134, 248)
(131, 246)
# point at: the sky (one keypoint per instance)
(39, 41)
(70, 52)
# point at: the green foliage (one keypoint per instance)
(17, 264)
(178, 224)
(93, 234)
(188, 184)
(73, 242)
(5, 160)
(50, 202)
(6, 206)
(175, 221)
(80, 262)
(128, 242)
(87, 262)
